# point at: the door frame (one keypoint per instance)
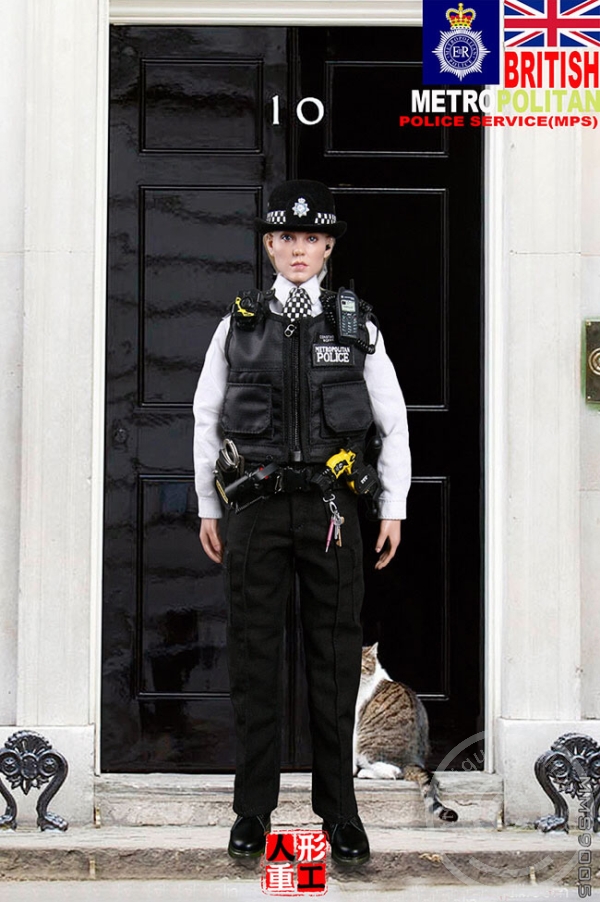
(399, 13)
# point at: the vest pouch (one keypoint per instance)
(346, 407)
(247, 409)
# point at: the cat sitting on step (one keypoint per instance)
(391, 733)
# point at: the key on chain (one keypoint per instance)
(329, 534)
(338, 531)
(335, 523)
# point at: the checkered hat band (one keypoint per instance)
(278, 216)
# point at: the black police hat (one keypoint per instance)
(301, 205)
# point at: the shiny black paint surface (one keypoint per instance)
(194, 105)
(412, 198)
(193, 155)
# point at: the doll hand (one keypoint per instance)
(389, 532)
(210, 536)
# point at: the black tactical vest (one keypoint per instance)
(294, 392)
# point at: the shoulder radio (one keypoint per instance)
(349, 316)
(347, 309)
(248, 309)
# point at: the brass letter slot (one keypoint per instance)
(592, 361)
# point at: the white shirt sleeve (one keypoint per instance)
(389, 414)
(208, 439)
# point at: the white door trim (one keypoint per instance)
(267, 12)
(99, 371)
(494, 466)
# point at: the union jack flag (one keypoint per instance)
(552, 23)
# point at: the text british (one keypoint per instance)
(551, 69)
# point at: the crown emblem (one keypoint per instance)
(461, 17)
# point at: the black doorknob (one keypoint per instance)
(119, 434)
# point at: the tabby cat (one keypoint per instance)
(391, 733)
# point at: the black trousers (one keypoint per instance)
(264, 545)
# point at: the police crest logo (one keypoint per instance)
(461, 52)
(300, 208)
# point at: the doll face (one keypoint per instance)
(298, 255)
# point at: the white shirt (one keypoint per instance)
(385, 395)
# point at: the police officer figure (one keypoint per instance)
(285, 388)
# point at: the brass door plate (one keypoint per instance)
(592, 361)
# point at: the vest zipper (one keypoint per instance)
(291, 332)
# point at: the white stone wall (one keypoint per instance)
(60, 189)
(590, 436)
(550, 616)
(542, 246)
(12, 146)
(49, 237)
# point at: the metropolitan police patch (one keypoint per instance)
(332, 355)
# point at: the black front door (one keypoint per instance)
(204, 121)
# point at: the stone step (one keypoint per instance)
(448, 854)
(205, 800)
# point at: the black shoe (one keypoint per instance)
(247, 839)
(349, 843)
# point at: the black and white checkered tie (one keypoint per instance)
(298, 304)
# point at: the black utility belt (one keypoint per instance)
(295, 479)
(241, 483)
(259, 480)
